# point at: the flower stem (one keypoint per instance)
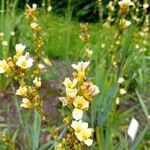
(16, 103)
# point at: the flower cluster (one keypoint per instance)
(82, 132)
(140, 40)
(30, 94)
(122, 91)
(31, 12)
(111, 9)
(84, 36)
(39, 55)
(7, 140)
(123, 24)
(31, 15)
(79, 94)
(17, 68)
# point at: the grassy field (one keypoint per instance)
(119, 67)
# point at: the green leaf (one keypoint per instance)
(36, 130)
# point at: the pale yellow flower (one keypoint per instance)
(121, 80)
(24, 62)
(145, 6)
(3, 66)
(110, 6)
(34, 25)
(60, 146)
(77, 114)
(117, 100)
(122, 91)
(80, 103)
(1, 34)
(4, 43)
(79, 126)
(34, 6)
(19, 49)
(22, 91)
(103, 45)
(41, 66)
(49, 8)
(85, 136)
(37, 81)
(71, 92)
(12, 33)
(124, 23)
(70, 84)
(125, 3)
(64, 100)
(89, 90)
(26, 103)
(81, 67)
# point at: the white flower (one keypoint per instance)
(81, 66)
(82, 132)
(70, 84)
(121, 80)
(89, 90)
(126, 3)
(4, 43)
(77, 114)
(3, 66)
(103, 45)
(21, 91)
(24, 62)
(49, 8)
(64, 100)
(19, 49)
(128, 23)
(41, 66)
(122, 91)
(85, 136)
(79, 126)
(145, 6)
(12, 33)
(34, 6)
(117, 100)
(1, 34)
(26, 103)
(34, 25)
(124, 23)
(71, 92)
(137, 46)
(37, 81)
(80, 103)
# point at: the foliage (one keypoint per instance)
(119, 67)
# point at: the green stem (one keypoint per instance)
(36, 130)
(16, 103)
(99, 138)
